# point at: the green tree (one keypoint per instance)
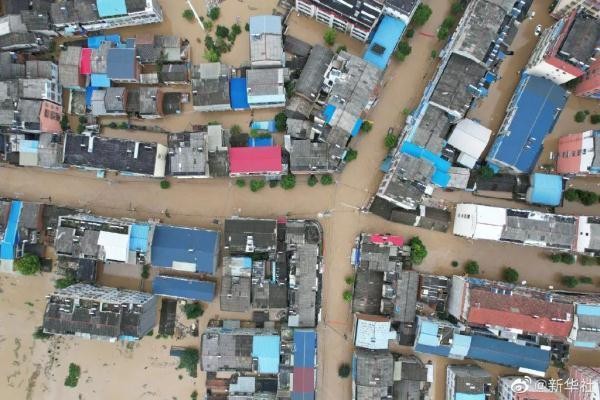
(510, 275)
(454, 264)
(73, 377)
(595, 118)
(390, 141)
(457, 8)
(123, 125)
(580, 116)
(80, 128)
(571, 194)
(240, 183)
(326, 179)
(569, 281)
(344, 370)
(588, 198)
(433, 54)
(472, 267)
(555, 257)
(189, 361)
(449, 22)
(82, 119)
(188, 14)
(486, 172)
(29, 264)
(194, 395)
(587, 260)
(567, 258)
(421, 15)
(418, 251)
(214, 13)
(165, 184)
(403, 50)
(235, 129)
(208, 25)
(586, 280)
(366, 126)
(257, 184)
(312, 180)
(329, 36)
(288, 181)
(236, 29)
(349, 280)
(64, 122)
(145, 271)
(281, 122)
(212, 56)
(347, 295)
(443, 33)
(351, 155)
(410, 32)
(340, 48)
(222, 31)
(193, 310)
(247, 27)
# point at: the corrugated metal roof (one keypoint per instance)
(266, 349)
(255, 160)
(138, 240)
(182, 288)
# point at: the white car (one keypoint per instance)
(538, 30)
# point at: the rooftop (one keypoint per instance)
(366, 12)
(183, 288)
(373, 332)
(266, 45)
(246, 235)
(373, 368)
(312, 75)
(210, 85)
(307, 156)
(581, 41)
(384, 41)
(188, 154)
(255, 160)
(303, 295)
(121, 64)
(432, 130)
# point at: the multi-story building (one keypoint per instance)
(373, 374)
(566, 49)
(579, 153)
(588, 383)
(100, 312)
(525, 388)
(468, 381)
(589, 83)
(564, 7)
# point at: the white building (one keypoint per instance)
(372, 331)
(525, 388)
(471, 139)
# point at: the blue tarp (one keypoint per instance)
(182, 288)
(268, 126)
(386, 164)
(328, 112)
(94, 42)
(386, 38)
(260, 142)
(172, 244)
(356, 127)
(11, 233)
(88, 95)
(440, 176)
(546, 189)
(305, 342)
(138, 237)
(537, 104)
(121, 64)
(266, 349)
(509, 354)
(100, 80)
(238, 93)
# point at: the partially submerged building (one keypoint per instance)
(468, 382)
(99, 312)
(255, 161)
(266, 41)
(373, 374)
(183, 288)
(210, 87)
(579, 153)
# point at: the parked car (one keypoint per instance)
(538, 30)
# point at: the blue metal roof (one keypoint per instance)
(238, 93)
(138, 237)
(305, 345)
(303, 395)
(546, 189)
(260, 141)
(172, 244)
(268, 126)
(89, 91)
(387, 35)
(261, 24)
(111, 8)
(469, 396)
(121, 63)
(356, 127)
(328, 112)
(266, 349)
(460, 346)
(509, 354)
(443, 351)
(93, 42)
(440, 176)
(182, 288)
(536, 106)
(100, 81)
(11, 232)
(588, 309)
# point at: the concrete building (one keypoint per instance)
(372, 332)
(255, 161)
(525, 388)
(565, 50)
(468, 381)
(471, 139)
(565, 7)
(99, 312)
(589, 83)
(372, 375)
(183, 288)
(588, 379)
(210, 87)
(236, 284)
(266, 87)
(579, 153)
(266, 42)
(586, 326)
(412, 379)
(188, 155)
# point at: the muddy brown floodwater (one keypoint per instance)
(36, 369)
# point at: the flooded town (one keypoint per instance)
(300, 199)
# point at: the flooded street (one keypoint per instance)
(36, 369)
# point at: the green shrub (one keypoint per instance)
(188, 14)
(123, 125)
(571, 194)
(312, 180)
(165, 184)
(443, 33)
(236, 29)
(569, 281)
(418, 251)
(194, 395)
(351, 155)
(235, 130)
(240, 183)
(329, 36)
(587, 198)
(257, 184)
(454, 264)
(580, 116)
(586, 280)
(486, 172)
(433, 54)
(457, 8)
(390, 141)
(281, 122)
(208, 25)
(247, 27)
(421, 15)
(82, 119)
(222, 31)
(510, 275)
(587, 260)
(555, 257)
(410, 33)
(366, 126)
(40, 334)
(567, 258)
(472, 267)
(214, 13)
(288, 181)
(344, 370)
(29, 264)
(193, 310)
(347, 295)
(80, 128)
(340, 48)
(212, 56)
(595, 118)
(189, 361)
(326, 179)
(404, 47)
(349, 280)
(65, 282)
(145, 271)
(73, 377)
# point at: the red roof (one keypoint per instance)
(255, 160)
(304, 380)
(568, 161)
(85, 62)
(518, 311)
(384, 239)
